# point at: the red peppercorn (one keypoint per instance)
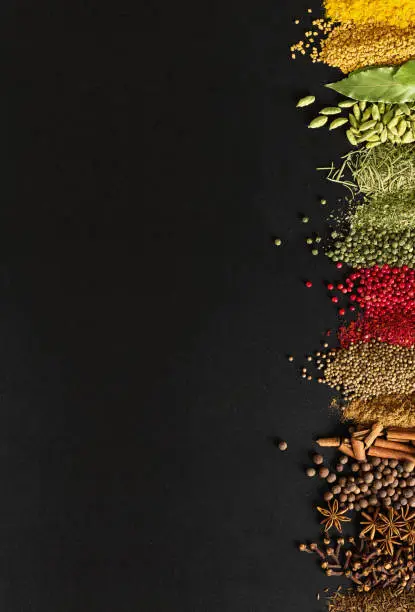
(339, 265)
(330, 287)
(334, 299)
(309, 284)
(342, 311)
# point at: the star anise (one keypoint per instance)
(387, 543)
(407, 514)
(372, 525)
(390, 524)
(408, 533)
(334, 516)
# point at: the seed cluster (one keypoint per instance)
(369, 369)
(377, 482)
(386, 297)
(350, 46)
(366, 247)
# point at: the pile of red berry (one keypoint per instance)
(386, 297)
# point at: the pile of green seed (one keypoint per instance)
(382, 230)
(369, 369)
(364, 248)
(373, 124)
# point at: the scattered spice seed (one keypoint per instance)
(283, 445)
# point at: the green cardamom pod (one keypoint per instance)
(337, 123)
(346, 103)
(405, 108)
(384, 136)
(407, 138)
(353, 121)
(331, 110)
(387, 117)
(402, 128)
(375, 112)
(355, 132)
(366, 114)
(362, 105)
(369, 134)
(398, 112)
(381, 107)
(318, 122)
(393, 130)
(380, 127)
(372, 145)
(394, 122)
(374, 138)
(356, 111)
(368, 125)
(306, 101)
(351, 137)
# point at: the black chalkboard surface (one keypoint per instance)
(151, 151)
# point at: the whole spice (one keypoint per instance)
(369, 369)
(350, 47)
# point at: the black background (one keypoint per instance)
(150, 151)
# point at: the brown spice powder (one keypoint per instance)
(391, 410)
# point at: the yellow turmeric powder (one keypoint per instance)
(399, 13)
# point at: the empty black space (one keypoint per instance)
(150, 151)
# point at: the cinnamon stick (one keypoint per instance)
(400, 433)
(358, 449)
(335, 442)
(405, 448)
(346, 449)
(389, 453)
(361, 434)
(376, 430)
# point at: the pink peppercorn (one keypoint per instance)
(309, 284)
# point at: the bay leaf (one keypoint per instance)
(377, 84)
(406, 73)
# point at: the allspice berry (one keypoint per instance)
(283, 445)
(311, 472)
(318, 459)
(323, 472)
(328, 496)
(331, 477)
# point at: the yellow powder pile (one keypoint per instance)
(399, 13)
(390, 410)
(350, 46)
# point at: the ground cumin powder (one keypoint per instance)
(390, 410)
(400, 13)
